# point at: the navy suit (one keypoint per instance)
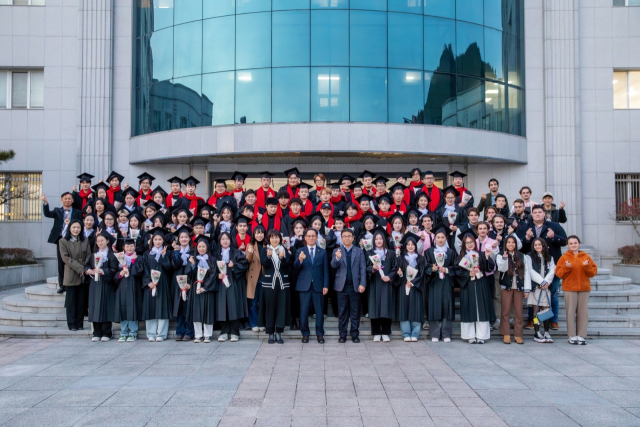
(313, 277)
(348, 280)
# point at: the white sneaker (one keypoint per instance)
(435, 339)
(255, 329)
(207, 340)
(496, 325)
(447, 340)
(539, 337)
(197, 340)
(95, 339)
(223, 337)
(376, 338)
(262, 329)
(105, 339)
(152, 340)
(480, 341)
(385, 338)
(582, 341)
(159, 339)
(573, 340)
(414, 339)
(407, 339)
(234, 338)
(547, 337)
(472, 341)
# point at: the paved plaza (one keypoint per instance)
(75, 382)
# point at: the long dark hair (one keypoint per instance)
(384, 240)
(253, 235)
(463, 250)
(516, 262)
(412, 239)
(545, 250)
(67, 234)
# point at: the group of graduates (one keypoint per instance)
(232, 261)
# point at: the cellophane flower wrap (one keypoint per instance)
(367, 244)
(413, 229)
(134, 233)
(440, 257)
(202, 272)
(475, 262)
(322, 242)
(375, 259)
(97, 262)
(452, 216)
(286, 242)
(182, 283)
(223, 269)
(465, 197)
(123, 262)
(466, 264)
(155, 278)
(411, 274)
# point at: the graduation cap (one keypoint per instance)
(135, 214)
(365, 198)
(421, 195)
(414, 170)
(203, 238)
(243, 220)
(292, 171)
(181, 230)
(367, 174)
(457, 174)
(314, 216)
(451, 189)
(220, 181)
(85, 177)
(128, 240)
(266, 175)
(152, 204)
(338, 218)
(369, 215)
(160, 190)
(239, 175)
(175, 180)
(157, 231)
(207, 207)
(384, 197)
(380, 179)
(410, 236)
(144, 176)
(401, 175)
(468, 232)
(198, 220)
(380, 230)
(110, 210)
(131, 191)
(355, 185)
(159, 216)
(108, 236)
(441, 228)
(325, 206)
(397, 186)
(100, 185)
(190, 181)
(271, 201)
(346, 177)
(335, 186)
(115, 174)
(295, 200)
(179, 209)
(413, 211)
(305, 185)
(395, 215)
(229, 206)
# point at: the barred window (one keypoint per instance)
(20, 196)
(627, 196)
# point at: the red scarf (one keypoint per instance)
(414, 184)
(462, 190)
(407, 197)
(111, 193)
(84, 195)
(336, 199)
(394, 208)
(276, 221)
(434, 195)
(146, 197)
(291, 192)
(368, 192)
(307, 209)
(348, 220)
(318, 191)
(169, 201)
(261, 199)
(246, 241)
(214, 199)
(193, 206)
(329, 222)
(386, 214)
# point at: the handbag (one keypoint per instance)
(547, 313)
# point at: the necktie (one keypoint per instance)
(312, 249)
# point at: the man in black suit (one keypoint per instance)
(61, 219)
(313, 283)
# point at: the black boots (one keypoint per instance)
(295, 324)
(279, 338)
(271, 339)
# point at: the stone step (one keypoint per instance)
(613, 283)
(612, 296)
(43, 293)
(603, 274)
(21, 304)
(52, 282)
(13, 318)
(596, 308)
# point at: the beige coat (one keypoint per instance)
(255, 268)
(75, 256)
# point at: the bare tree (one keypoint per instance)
(12, 190)
(629, 211)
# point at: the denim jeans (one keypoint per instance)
(129, 328)
(184, 328)
(555, 304)
(410, 329)
(254, 304)
(157, 328)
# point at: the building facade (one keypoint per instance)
(543, 93)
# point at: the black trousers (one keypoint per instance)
(60, 264)
(492, 291)
(307, 299)
(231, 327)
(348, 309)
(102, 329)
(274, 330)
(381, 326)
(75, 303)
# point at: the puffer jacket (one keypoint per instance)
(577, 277)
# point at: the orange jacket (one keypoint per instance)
(576, 278)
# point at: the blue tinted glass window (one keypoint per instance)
(439, 44)
(187, 11)
(493, 13)
(405, 96)
(162, 14)
(142, 20)
(368, 95)
(515, 60)
(291, 94)
(217, 97)
(440, 107)
(187, 101)
(405, 41)
(494, 68)
(140, 64)
(247, 6)
(161, 43)
(161, 107)
(368, 39)
(369, 4)
(516, 112)
(496, 107)
(443, 8)
(329, 37)
(291, 38)
(329, 4)
(470, 11)
(140, 111)
(290, 4)
(187, 57)
(213, 8)
(253, 96)
(219, 44)
(330, 94)
(470, 48)
(253, 40)
(471, 98)
(409, 6)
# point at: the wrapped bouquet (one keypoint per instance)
(375, 259)
(440, 257)
(155, 277)
(123, 262)
(182, 283)
(411, 274)
(97, 261)
(223, 269)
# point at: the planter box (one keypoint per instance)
(628, 270)
(21, 274)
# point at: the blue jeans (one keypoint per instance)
(410, 329)
(157, 328)
(555, 304)
(184, 328)
(129, 328)
(254, 304)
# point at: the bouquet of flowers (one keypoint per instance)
(202, 271)
(182, 283)
(123, 262)
(440, 262)
(155, 277)
(286, 242)
(366, 244)
(465, 197)
(396, 241)
(327, 230)
(451, 216)
(466, 264)
(223, 269)
(97, 259)
(134, 233)
(148, 226)
(413, 229)
(411, 274)
(322, 242)
(475, 262)
(375, 259)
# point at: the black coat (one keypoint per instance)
(231, 302)
(179, 305)
(555, 243)
(102, 293)
(461, 219)
(410, 307)
(58, 220)
(382, 295)
(159, 306)
(275, 309)
(128, 303)
(475, 299)
(440, 290)
(202, 307)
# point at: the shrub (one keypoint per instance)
(16, 256)
(630, 254)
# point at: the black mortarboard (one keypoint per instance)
(135, 214)
(338, 218)
(198, 220)
(220, 181)
(153, 205)
(108, 236)
(380, 230)
(401, 175)
(160, 190)
(468, 232)
(325, 206)
(365, 197)
(314, 216)
(396, 186)
(441, 228)
(335, 186)
(229, 206)
(175, 180)
(100, 185)
(144, 176)
(157, 231)
(182, 230)
(355, 185)
(271, 201)
(395, 215)
(190, 180)
(451, 189)
(85, 177)
(457, 174)
(413, 211)
(239, 175)
(410, 236)
(292, 171)
(305, 185)
(385, 196)
(380, 179)
(115, 174)
(369, 215)
(243, 219)
(203, 238)
(131, 191)
(423, 194)
(266, 175)
(207, 207)
(366, 174)
(182, 209)
(128, 241)
(159, 216)
(346, 176)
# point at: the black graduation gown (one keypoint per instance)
(382, 295)
(179, 305)
(218, 230)
(440, 290)
(357, 227)
(275, 305)
(202, 307)
(102, 294)
(461, 219)
(160, 306)
(286, 225)
(231, 302)
(475, 298)
(410, 307)
(128, 304)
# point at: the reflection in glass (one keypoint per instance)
(214, 8)
(408, 6)
(442, 8)
(470, 11)
(405, 96)
(289, 4)
(368, 94)
(440, 99)
(439, 44)
(470, 99)
(187, 59)
(162, 14)
(329, 4)
(291, 38)
(219, 40)
(369, 4)
(161, 54)
(291, 94)
(187, 11)
(470, 48)
(161, 107)
(187, 103)
(140, 111)
(516, 112)
(634, 89)
(218, 92)
(405, 41)
(247, 6)
(515, 60)
(141, 61)
(494, 54)
(495, 106)
(3, 89)
(329, 37)
(493, 13)
(368, 39)
(253, 96)
(36, 88)
(141, 20)
(620, 90)
(330, 94)
(253, 40)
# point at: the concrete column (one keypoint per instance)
(95, 39)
